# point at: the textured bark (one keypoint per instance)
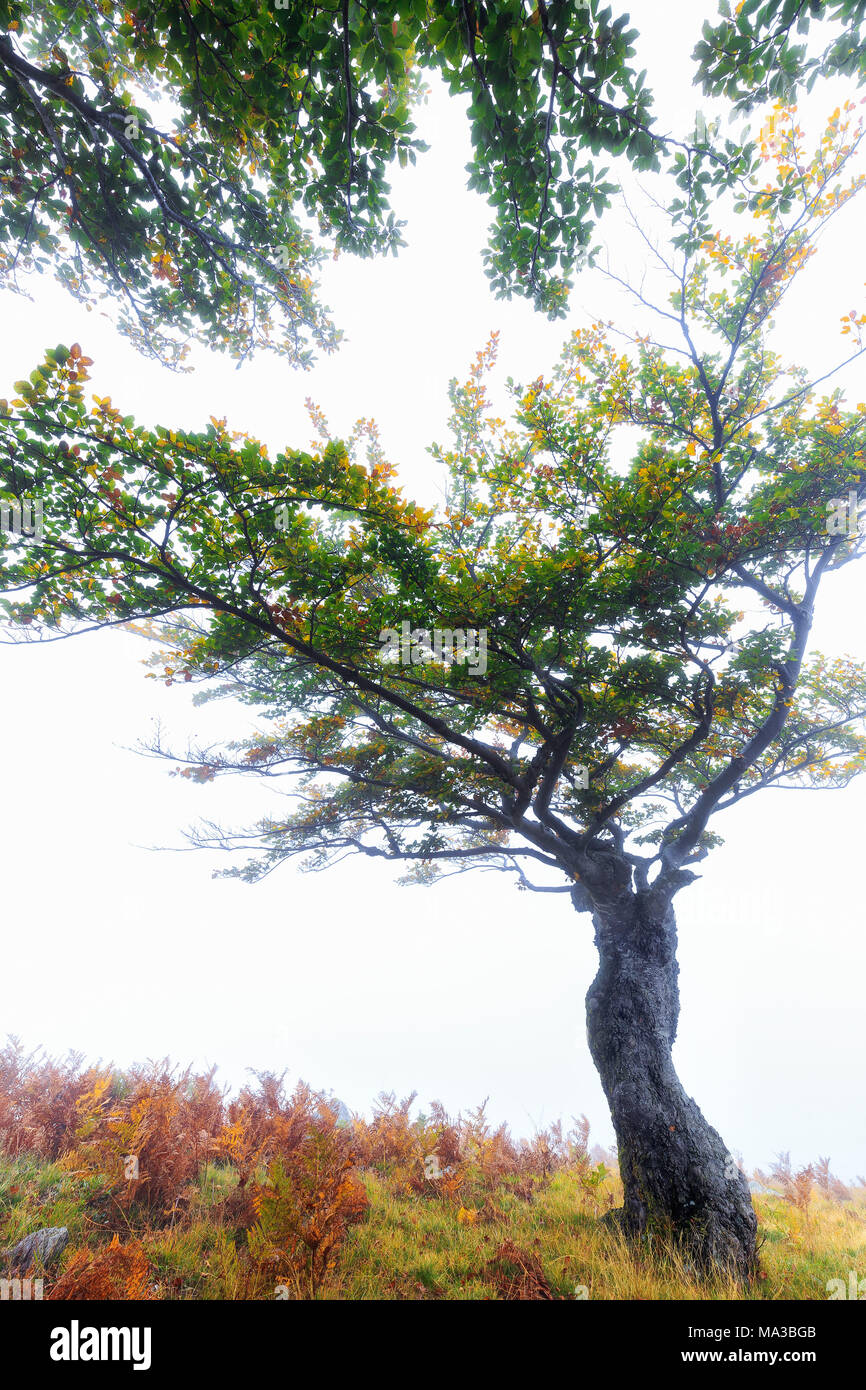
(678, 1175)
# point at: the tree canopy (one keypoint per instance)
(759, 53)
(615, 599)
(194, 161)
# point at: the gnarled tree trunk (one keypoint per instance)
(679, 1178)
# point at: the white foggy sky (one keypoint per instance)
(468, 989)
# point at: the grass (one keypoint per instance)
(412, 1246)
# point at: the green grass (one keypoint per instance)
(417, 1247)
(412, 1247)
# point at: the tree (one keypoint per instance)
(751, 57)
(623, 695)
(177, 155)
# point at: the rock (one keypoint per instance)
(44, 1245)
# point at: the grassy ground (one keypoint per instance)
(418, 1246)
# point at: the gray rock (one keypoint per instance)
(44, 1245)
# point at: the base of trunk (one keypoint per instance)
(714, 1242)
